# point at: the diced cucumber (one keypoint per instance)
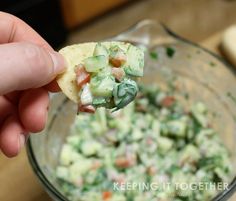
(96, 63)
(118, 197)
(91, 195)
(129, 110)
(164, 144)
(116, 53)
(73, 140)
(101, 118)
(90, 147)
(182, 178)
(200, 108)
(79, 168)
(199, 111)
(114, 50)
(190, 154)
(135, 61)
(109, 156)
(105, 72)
(156, 127)
(221, 173)
(68, 155)
(96, 128)
(137, 134)
(97, 101)
(177, 128)
(62, 173)
(102, 86)
(100, 50)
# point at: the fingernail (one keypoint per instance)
(22, 141)
(58, 62)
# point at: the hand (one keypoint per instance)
(27, 65)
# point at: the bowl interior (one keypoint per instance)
(195, 72)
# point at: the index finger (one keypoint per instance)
(13, 29)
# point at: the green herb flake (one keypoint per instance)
(212, 64)
(189, 56)
(186, 96)
(234, 118)
(153, 55)
(170, 52)
(231, 96)
(198, 52)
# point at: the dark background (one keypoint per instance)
(43, 15)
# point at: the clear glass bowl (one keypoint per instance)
(200, 73)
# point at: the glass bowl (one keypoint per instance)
(195, 70)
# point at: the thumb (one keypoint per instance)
(25, 65)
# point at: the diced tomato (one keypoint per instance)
(141, 108)
(120, 179)
(149, 141)
(79, 182)
(96, 164)
(117, 61)
(118, 73)
(151, 170)
(86, 108)
(125, 162)
(122, 162)
(106, 195)
(168, 101)
(82, 76)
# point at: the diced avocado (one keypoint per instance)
(102, 86)
(96, 63)
(90, 147)
(135, 61)
(100, 50)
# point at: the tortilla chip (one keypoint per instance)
(74, 55)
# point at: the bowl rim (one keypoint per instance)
(54, 193)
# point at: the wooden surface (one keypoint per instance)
(76, 12)
(17, 181)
